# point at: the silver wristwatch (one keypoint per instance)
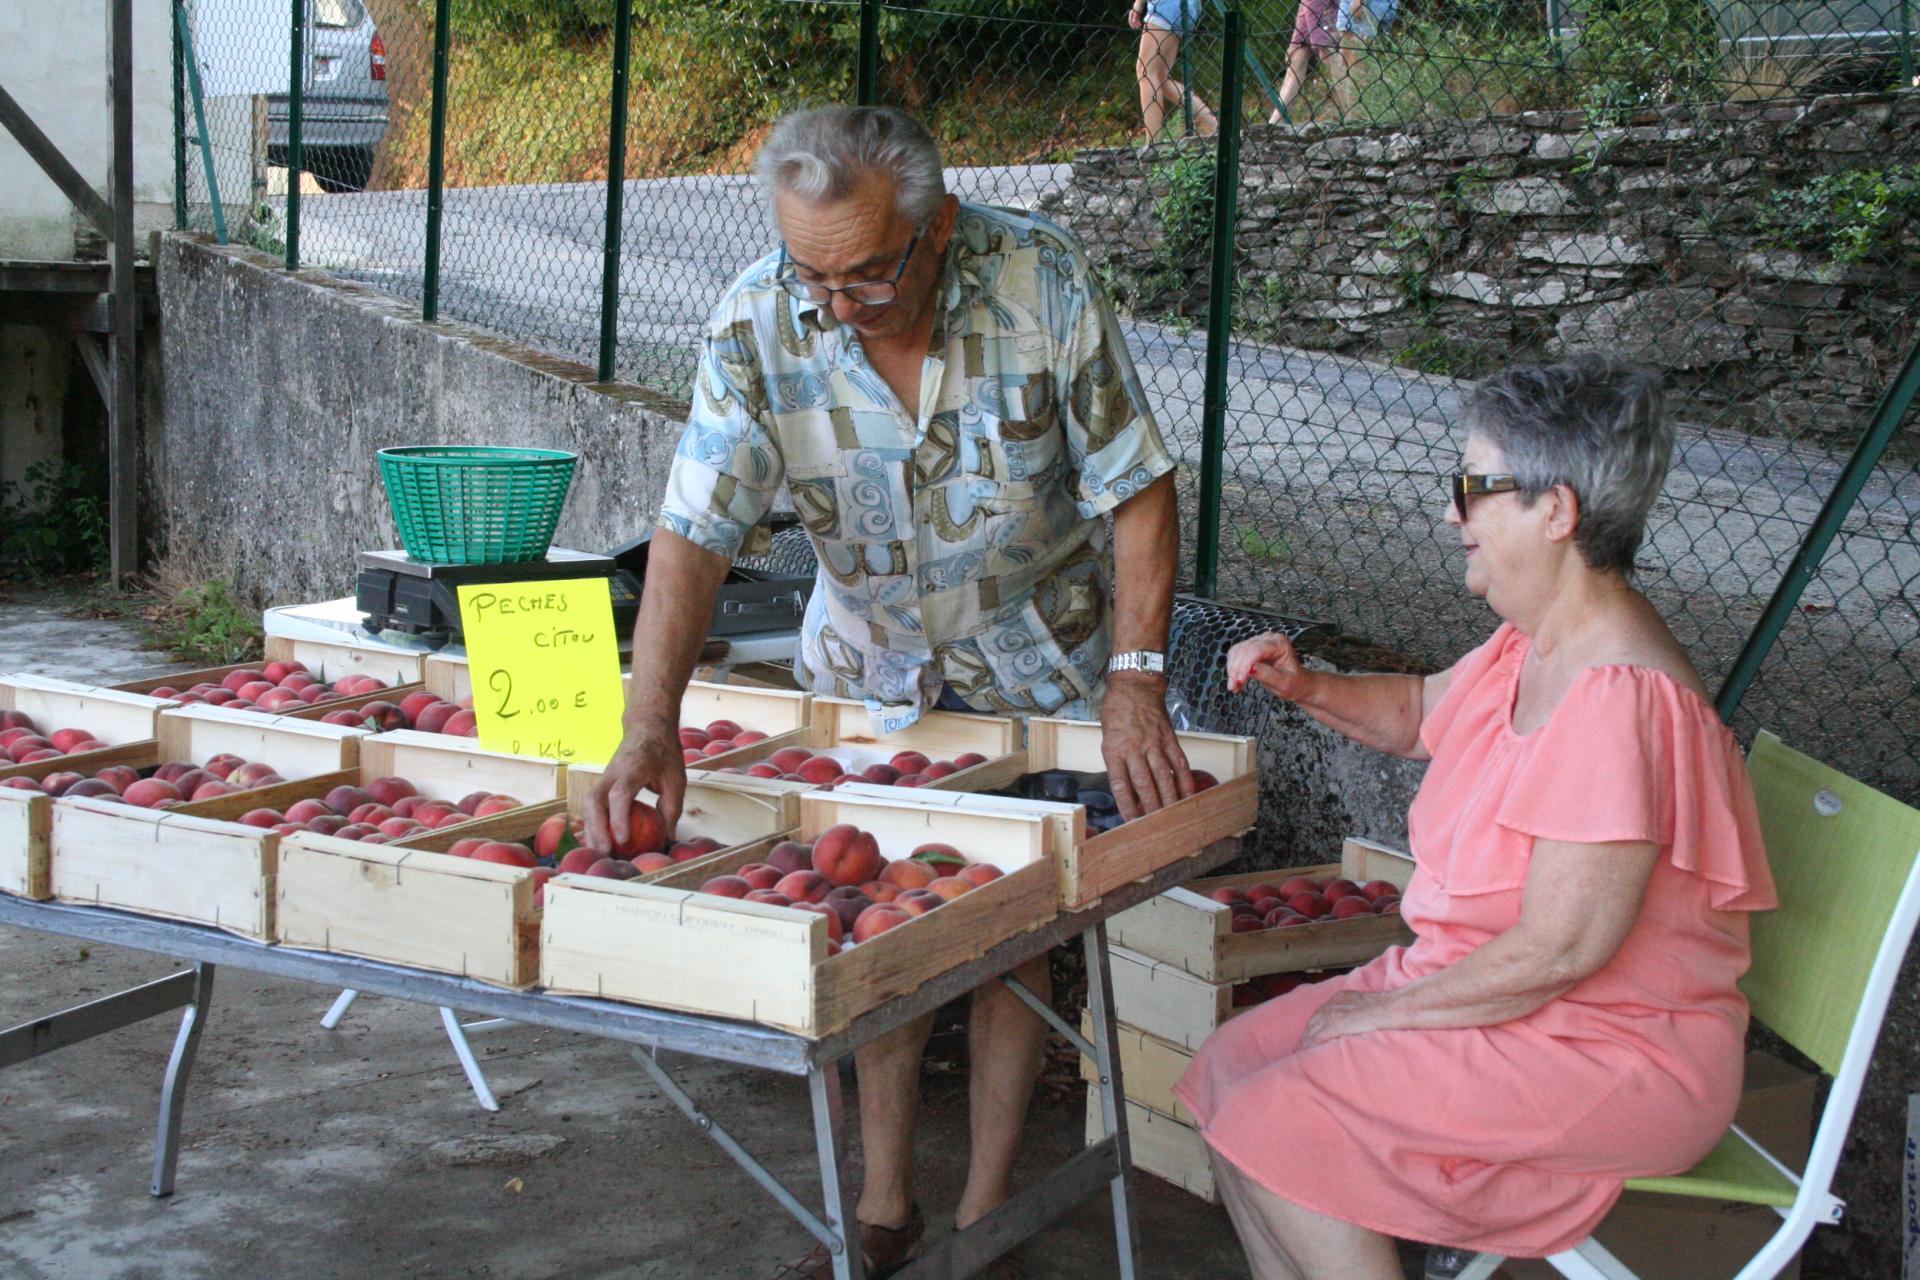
(1149, 660)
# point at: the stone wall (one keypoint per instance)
(1458, 246)
(276, 390)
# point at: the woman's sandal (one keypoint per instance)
(886, 1250)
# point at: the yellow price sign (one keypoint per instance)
(545, 664)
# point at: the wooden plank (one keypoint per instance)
(408, 906)
(329, 660)
(1149, 1068)
(139, 755)
(1166, 1001)
(123, 439)
(1076, 745)
(1161, 1146)
(679, 950)
(295, 748)
(1364, 860)
(113, 717)
(1139, 848)
(448, 768)
(164, 864)
(515, 825)
(26, 823)
(447, 676)
(55, 165)
(770, 711)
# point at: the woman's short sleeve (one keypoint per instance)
(1463, 685)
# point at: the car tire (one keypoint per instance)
(341, 168)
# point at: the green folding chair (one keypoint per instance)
(1846, 860)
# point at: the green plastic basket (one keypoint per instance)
(476, 504)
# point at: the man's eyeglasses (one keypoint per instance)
(1464, 485)
(868, 293)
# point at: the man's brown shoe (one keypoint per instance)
(886, 1249)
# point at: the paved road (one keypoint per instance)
(1332, 505)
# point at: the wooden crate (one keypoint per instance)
(447, 675)
(1162, 1146)
(410, 906)
(327, 660)
(840, 727)
(1149, 1068)
(750, 814)
(781, 714)
(26, 821)
(195, 862)
(678, 949)
(1185, 928)
(121, 720)
(224, 872)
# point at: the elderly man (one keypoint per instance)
(944, 391)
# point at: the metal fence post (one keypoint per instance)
(866, 84)
(436, 161)
(1213, 419)
(1893, 406)
(179, 125)
(296, 111)
(616, 190)
(1906, 42)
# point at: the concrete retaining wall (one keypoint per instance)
(278, 389)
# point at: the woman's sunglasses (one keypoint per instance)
(1464, 485)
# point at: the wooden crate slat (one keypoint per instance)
(1139, 848)
(1162, 1146)
(1149, 1068)
(448, 676)
(26, 823)
(328, 660)
(114, 717)
(297, 749)
(1167, 1001)
(164, 864)
(1075, 744)
(453, 767)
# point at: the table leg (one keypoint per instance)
(457, 1036)
(173, 1092)
(836, 1177)
(1113, 1102)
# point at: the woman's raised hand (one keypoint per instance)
(1271, 660)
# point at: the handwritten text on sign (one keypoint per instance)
(546, 668)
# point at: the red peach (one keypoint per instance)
(1269, 903)
(847, 855)
(471, 801)
(646, 831)
(433, 717)
(406, 805)
(747, 737)
(698, 847)
(1227, 894)
(908, 874)
(718, 747)
(11, 720)
(942, 857)
(791, 855)
(386, 716)
(280, 668)
(723, 729)
(56, 784)
(979, 873)
(877, 919)
(369, 813)
(21, 747)
(297, 680)
(252, 689)
(884, 774)
(728, 886)
(694, 739)
(345, 719)
(400, 828)
(287, 828)
(345, 799)
(389, 791)
(1248, 923)
(950, 887)
(763, 770)
(261, 817)
(307, 810)
(1374, 890)
(1350, 906)
(913, 780)
(453, 818)
(218, 697)
(1255, 892)
(939, 769)
(172, 769)
(65, 739)
(327, 824)
(212, 789)
(414, 703)
(1298, 884)
(505, 853)
(789, 759)
(805, 886)
(81, 790)
(849, 902)
(462, 724)
(548, 837)
(1381, 906)
(691, 755)
(312, 693)
(968, 759)
(1338, 888)
(880, 890)
(434, 813)
(223, 765)
(649, 862)
(286, 700)
(609, 868)
(819, 769)
(377, 837)
(118, 776)
(150, 793)
(909, 762)
(918, 902)
(44, 753)
(760, 875)
(836, 926)
(578, 859)
(18, 783)
(1203, 781)
(245, 675)
(465, 848)
(1310, 905)
(772, 897)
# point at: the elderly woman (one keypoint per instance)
(1588, 849)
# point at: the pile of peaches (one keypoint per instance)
(427, 712)
(905, 769)
(1306, 899)
(175, 783)
(22, 743)
(277, 687)
(385, 810)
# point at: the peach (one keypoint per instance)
(789, 856)
(819, 769)
(44, 753)
(462, 724)
(119, 776)
(1298, 884)
(913, 780)
(847, 855)
(836, 927)
(81, 790)
(172, 769)
(252, 690)
(385, 716)
(1227, 895)
(908, 874)
(150, 793)
(18, 783)
(313, 693)
(747, 737)
(505, 853)
(805, 886)
(223, 765)
(452, 818)
(848, 902)
(939, 769)
(576, 860)
(880, 890)
(297, 681)
(979, 873)
(369, 813)
(647, 862)
(760, 875)
(434, 813)
(280, 668)
(950, 887)
(399, 828)
(261, 817)
(608, 868)
(692, 755)
(1338, 888)
(1248, 923)
(244, 675)
(943, 858)
(471, 801)
(218, 697)
(390, 791)
(727, 729)
(646, 831)
(909, 762)
(1203, 781)
(718, 747)
(287, 828)
(789, 759)
(1283, 918)
(1310, 905)
(772, 897)
(212, 789)
(376, 838)
(406, 805)
(464, 848)
(688, 850)
(884, 774)
(1374, 890)
(1350, 906)
(414, 703)
(345, 719)
(433, 717)
(1262, 906)
(307, 810)
(345, 799)
(25, 745)
(1255, 892)
(11, 720)
(694, 738)
(56, 784)
(327, 824)
(548, 837)
(729, 886)
(877, 919)
(1381, 906)
(250, 774)
(763, 770)
(968, 759)
(66, 739)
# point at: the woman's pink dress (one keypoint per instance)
(1515, 1138)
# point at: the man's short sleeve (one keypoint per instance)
(727, 468)
(1115, 442)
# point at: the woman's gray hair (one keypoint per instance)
(1594, 424)
(821, 153)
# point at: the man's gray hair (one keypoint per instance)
(1594, 424)
(820, 153)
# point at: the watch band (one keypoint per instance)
(1149, 660)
